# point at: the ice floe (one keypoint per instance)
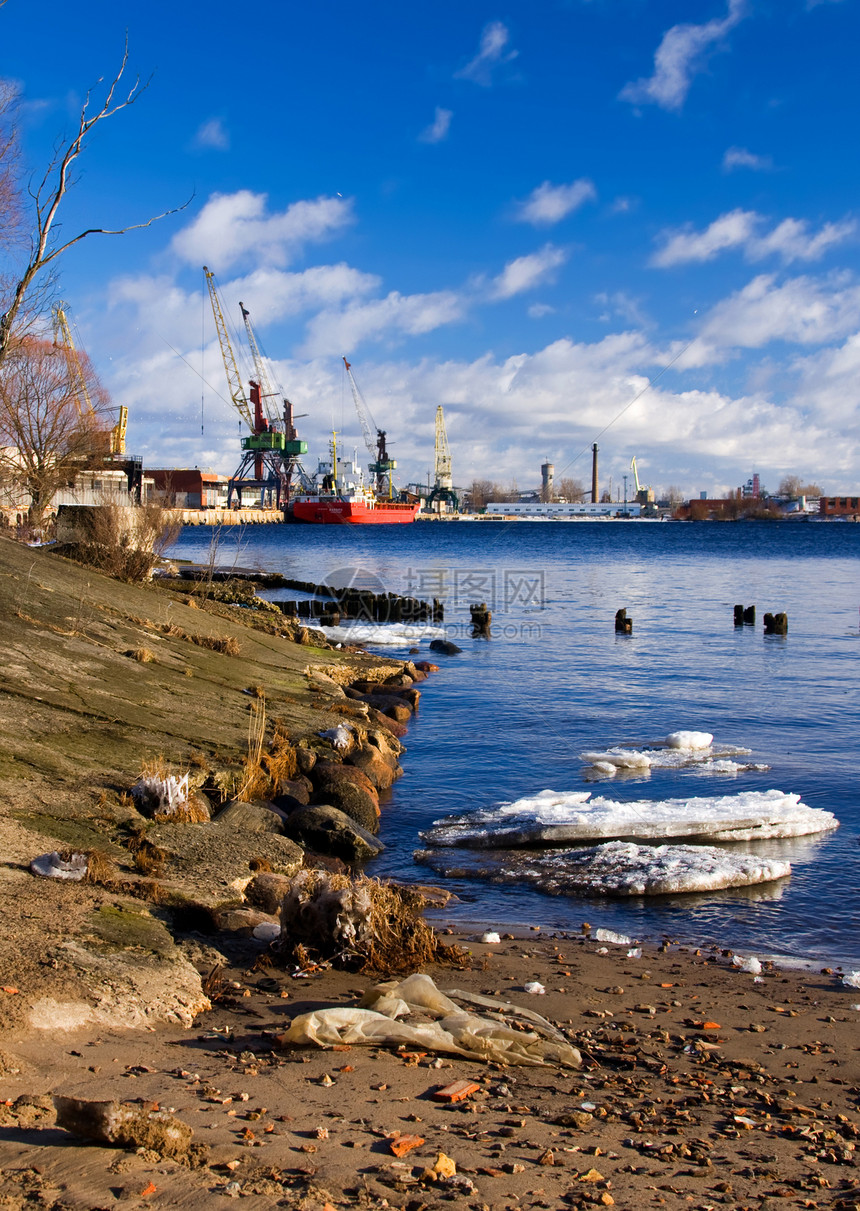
(389, 635)
(679, 750)
(621, 868)
(566, 817)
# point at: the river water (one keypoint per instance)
(511, 715)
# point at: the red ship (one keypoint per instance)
(359, 510)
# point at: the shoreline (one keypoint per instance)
(701, 1086)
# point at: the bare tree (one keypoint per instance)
(48, 195)
(46, 434)
(793, 486)
(571, 490)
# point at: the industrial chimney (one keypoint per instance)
(594, 497)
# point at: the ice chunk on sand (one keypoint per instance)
(57, 866)
(852, 980)
(689, 740)
(565, 817)
(609, 935)
(749, 964)
(618, 868)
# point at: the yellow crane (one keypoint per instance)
(82, 395)
(644, 496)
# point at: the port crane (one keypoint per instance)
(116, 435)
(643, 495)
(271, 445)
(382, 464)
(443, 486)
(291, 468)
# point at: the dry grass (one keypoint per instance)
(226, 644)
(255, 780)
(142, 655)
(149, 859)
(100, 869)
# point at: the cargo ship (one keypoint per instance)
(357, 510)
(342, 498)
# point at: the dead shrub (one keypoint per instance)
(126, 541)
(390, 934)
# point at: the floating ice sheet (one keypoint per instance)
(566, 817)
(621, 868)
(389, 635)
(679, 750)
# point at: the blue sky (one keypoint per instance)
(523, 213)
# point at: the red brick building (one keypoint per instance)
(839, 506)
(191, 488)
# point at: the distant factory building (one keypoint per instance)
(560, 510)
(839, 506)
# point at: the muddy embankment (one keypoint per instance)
(103, 682)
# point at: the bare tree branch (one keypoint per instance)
(54, 186)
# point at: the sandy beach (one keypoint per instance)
(701, 1086)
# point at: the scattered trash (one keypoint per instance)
(535, 988)
(635, 953)
(750, 965)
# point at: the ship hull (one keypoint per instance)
(351, 512)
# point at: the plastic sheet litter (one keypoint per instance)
(438, 1023)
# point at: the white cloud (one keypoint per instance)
(621, 305)
(677, 58)
(491, 54)
(538, 310)
(237, 226)
(212, 136)
(381, 319)
(526, 272)
(550, 203)
(739, 157)
(438, 129)
(741, 229)
(802, 310)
